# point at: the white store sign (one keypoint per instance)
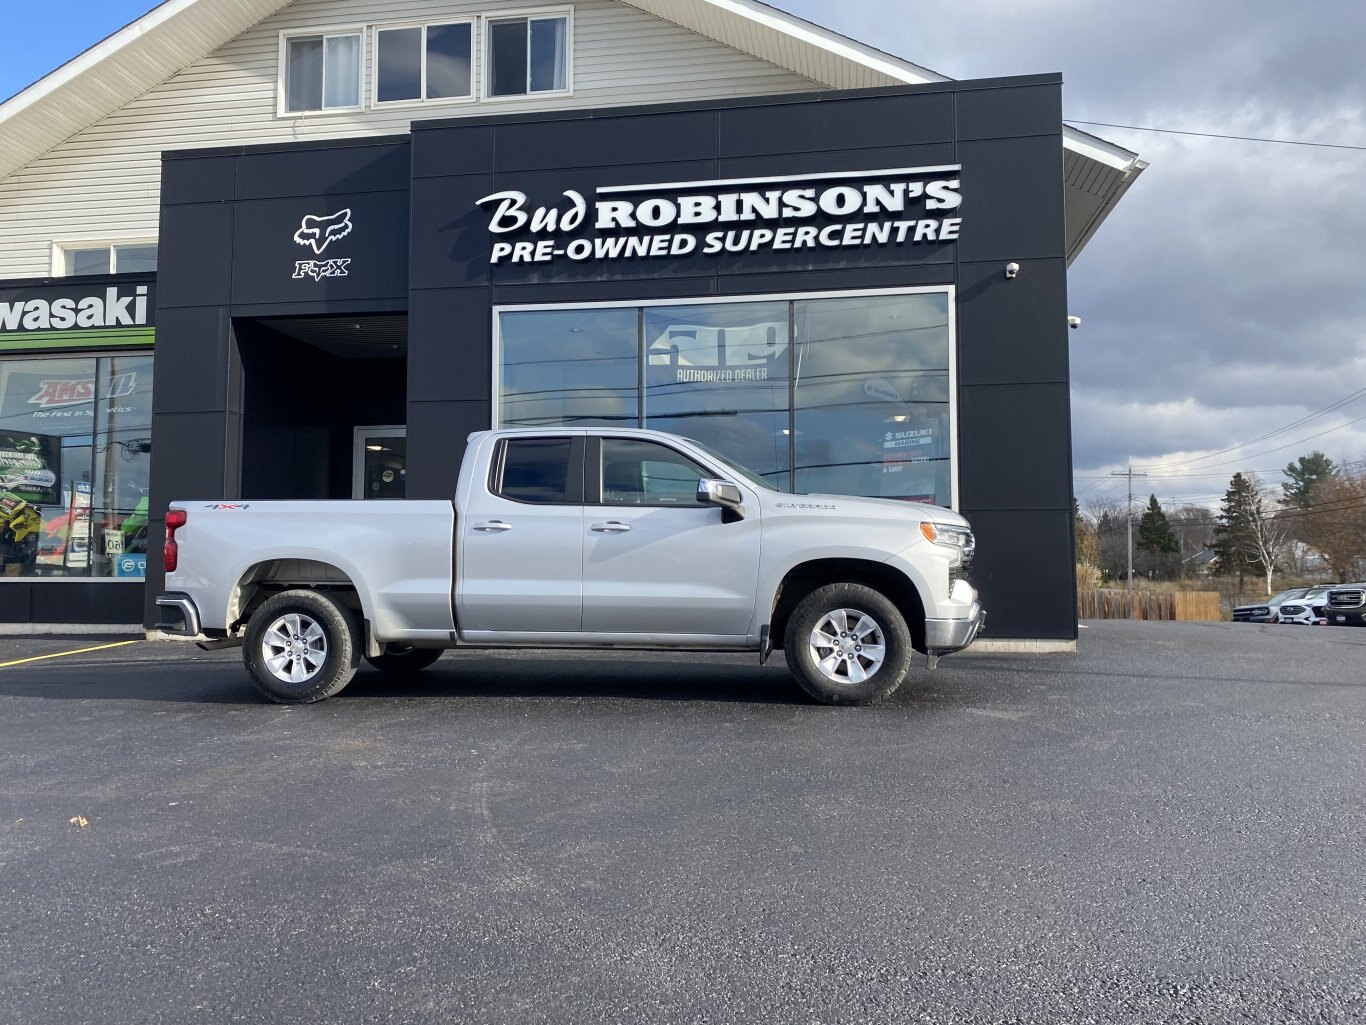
(889, 207)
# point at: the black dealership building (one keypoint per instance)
(856, 292)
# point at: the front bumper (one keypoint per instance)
(945, 636)
(1345, 617)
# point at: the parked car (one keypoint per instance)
(1265, 612)
(1307, 610)
(576, 538)
(1346, 605)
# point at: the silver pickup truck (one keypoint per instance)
(595, 538)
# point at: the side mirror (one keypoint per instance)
(723, 494)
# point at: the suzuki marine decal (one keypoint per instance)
(835, 210)
(318, 233)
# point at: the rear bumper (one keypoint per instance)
(945, 636)
(188, 612)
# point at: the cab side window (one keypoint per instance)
(536, 470)
(645, 473)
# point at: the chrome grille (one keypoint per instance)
(1352, 599)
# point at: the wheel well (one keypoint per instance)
(275, 575)
(802, 580)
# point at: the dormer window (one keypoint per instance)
(424, 62)
(528, 55)
(322, 71)
(359, 67)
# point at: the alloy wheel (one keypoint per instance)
(848, 646)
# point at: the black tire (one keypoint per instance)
(326, 657)
(401, 660)
(851, 676)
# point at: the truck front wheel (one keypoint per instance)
(301, 646)
(847, 645)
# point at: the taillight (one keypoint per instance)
(175, 519)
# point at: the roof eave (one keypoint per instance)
(1131, 175)
(137, 57)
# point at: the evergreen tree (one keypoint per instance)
(1234, 534)
(1155, 534)
(1157, 549)
(1303, 476)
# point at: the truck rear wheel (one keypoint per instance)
(846, 644)
(403, 660)
(301, 646)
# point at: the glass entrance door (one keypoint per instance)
(379, 466)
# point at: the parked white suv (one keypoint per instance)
(1308, 609)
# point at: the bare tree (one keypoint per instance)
(1266, 539)
(1192, 525)
(1335, 523)
(1108, 517)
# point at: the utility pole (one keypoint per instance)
(1129, 528)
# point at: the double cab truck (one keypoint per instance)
(591, 538)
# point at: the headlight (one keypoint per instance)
(951, 536)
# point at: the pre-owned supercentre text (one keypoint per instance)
(872, 208)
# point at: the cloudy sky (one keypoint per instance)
(1225, 299)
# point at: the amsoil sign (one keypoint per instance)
(835, 210)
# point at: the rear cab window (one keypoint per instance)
(539, 470)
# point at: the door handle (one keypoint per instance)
(610, 527)
(493, 526)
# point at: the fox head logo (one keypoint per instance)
(320, 232)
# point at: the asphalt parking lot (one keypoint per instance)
(1166, 827)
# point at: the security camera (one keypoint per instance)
(1012, 269)
(1074, 322)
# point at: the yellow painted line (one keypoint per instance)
(63, 654)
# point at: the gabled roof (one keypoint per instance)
(117, 70)
(177, 33)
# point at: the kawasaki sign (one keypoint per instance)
(72, 315)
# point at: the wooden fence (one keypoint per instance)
(1187, 606)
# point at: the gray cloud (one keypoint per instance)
(1226, 296)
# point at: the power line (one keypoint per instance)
(1346, 503)
(1215, 135)
(1179, 464)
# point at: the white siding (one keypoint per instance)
(105, 182)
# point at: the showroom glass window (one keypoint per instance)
(528, 55)
(75, 452)
(871, 414)
(576, 368)
(423, 62)
(322, 72)
(849, 393)
(718, 373)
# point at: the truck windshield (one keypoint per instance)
(731, 464)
